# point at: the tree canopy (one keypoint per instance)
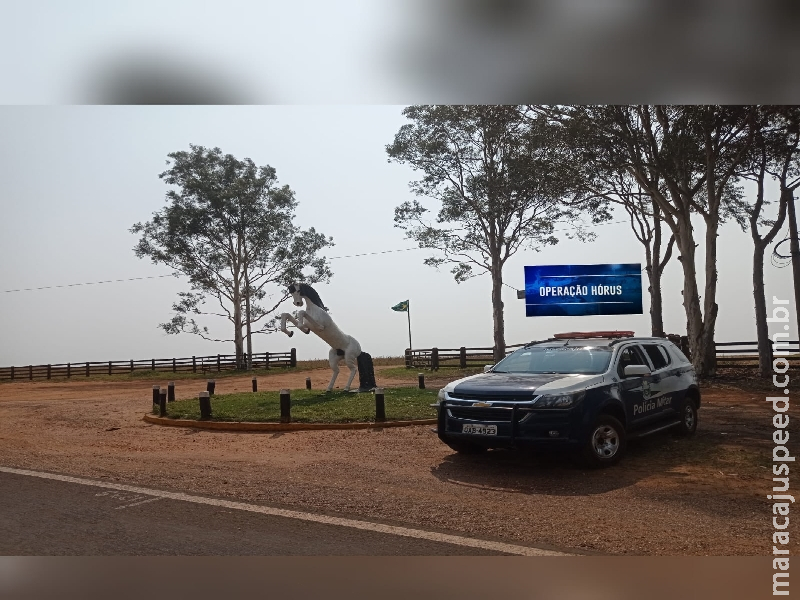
(229, 227)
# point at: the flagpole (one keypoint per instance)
(410, 347)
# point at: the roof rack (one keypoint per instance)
(584, 335)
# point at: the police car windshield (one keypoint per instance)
(576, 360)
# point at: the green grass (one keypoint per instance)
(312, 406)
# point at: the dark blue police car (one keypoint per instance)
(589, 392)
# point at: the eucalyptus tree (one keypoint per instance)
(494, 177)
(686, 159)
(229, 227)
(775, 157)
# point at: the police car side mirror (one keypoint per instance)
(637, 371)
(487, 368)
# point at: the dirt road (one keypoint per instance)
(700, 496)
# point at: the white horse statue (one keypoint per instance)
(316, 318)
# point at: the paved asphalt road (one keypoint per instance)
(46, 517)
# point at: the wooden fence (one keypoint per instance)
(434, 358)
(193, 364)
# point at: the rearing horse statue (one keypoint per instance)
(315, 318)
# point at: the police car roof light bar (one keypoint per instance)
(584, 335)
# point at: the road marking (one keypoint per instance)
(303, 516)
(137, 503)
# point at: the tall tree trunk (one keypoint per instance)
(238, 341)
(497, 310)
(759, 295)
(794, 250)
(248, 319)
(691, 297)
(710, 306)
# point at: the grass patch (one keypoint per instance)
(312, 406)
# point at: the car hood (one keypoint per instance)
(520, 385)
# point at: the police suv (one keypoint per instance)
(588, 391)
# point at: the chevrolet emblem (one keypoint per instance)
(482, 404)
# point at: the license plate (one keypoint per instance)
(479, 429)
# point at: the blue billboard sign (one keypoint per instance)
(575, 290)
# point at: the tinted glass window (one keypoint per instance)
(657, 355)
(630, 356)
(561, 359)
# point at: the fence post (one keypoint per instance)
(194, 365)
(286, 407)
(434, 359)
(462, 358)
(255, 384)
(421, 379)
(109, 367)
(266, 360)
(48, 371)
(173, 365)
(218, 363)
(171, 391)
(12, 373)
(408, 358)
(131, 365)
(69, 374)
(205, 405)
(162, 403)
(87, 369)
(308, 383)
(293, 358)
(380, 405)
(30, 372)
(153, 364)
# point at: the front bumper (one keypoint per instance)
(517, 424)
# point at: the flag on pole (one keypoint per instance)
(401, 306)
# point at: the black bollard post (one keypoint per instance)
(162, 403)
(380, 405)
(255, 384)
(171, 391)
(308, 383)
(205, 405)
(155, 394)
(421, 377)
(210, 387)
(286, 407)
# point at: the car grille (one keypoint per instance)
(493, 397)
(480, 414)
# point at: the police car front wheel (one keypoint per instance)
(688, 415)
(606, 442)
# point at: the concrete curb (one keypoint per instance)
(244, 426)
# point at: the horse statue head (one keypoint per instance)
(303, 290)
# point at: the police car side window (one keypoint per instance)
(656, 355)
(629, 356)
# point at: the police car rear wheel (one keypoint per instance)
(606, 442)
(688, 414)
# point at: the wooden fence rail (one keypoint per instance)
(435, 358)
(192, 364)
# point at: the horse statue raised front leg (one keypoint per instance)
(315, 318)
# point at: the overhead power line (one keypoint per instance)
(66, 285)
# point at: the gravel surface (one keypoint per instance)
(701, 496)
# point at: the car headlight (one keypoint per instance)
(440, 395)
(559, 400)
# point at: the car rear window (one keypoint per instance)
(561, 359)
(657, 354)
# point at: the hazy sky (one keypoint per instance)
(73, 180)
